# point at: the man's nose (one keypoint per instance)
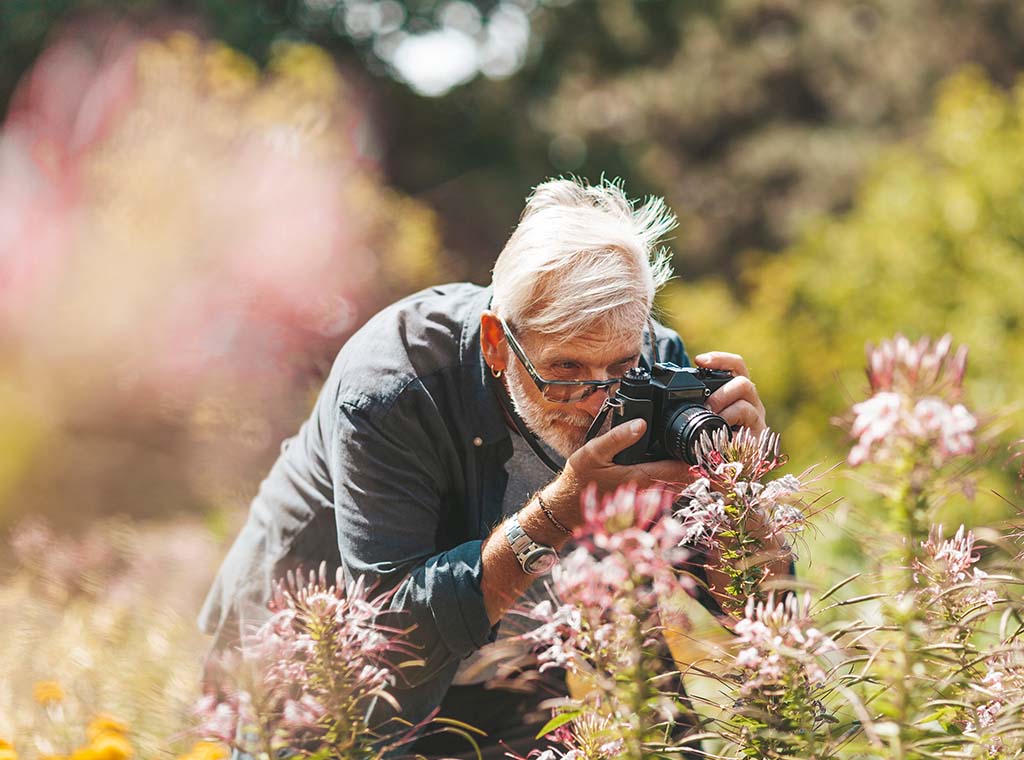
(592, 404)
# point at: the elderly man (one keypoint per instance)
(446, 454)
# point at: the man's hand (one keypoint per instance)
(737, 401)
(593, 463)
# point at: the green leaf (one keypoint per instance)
(559, 720)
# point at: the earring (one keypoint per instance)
(496, 373)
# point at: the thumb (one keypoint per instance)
(605, 447)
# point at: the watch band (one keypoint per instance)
(534, 558)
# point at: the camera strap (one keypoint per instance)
(520, 426)
(602, 415)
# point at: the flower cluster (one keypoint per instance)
(590, 736)
(916, 391)
(780, 645)
(995, 705)
(107, 737)
(612, 594)
(780, 680)
(727, 488)
(627, 559)
(318, 662)
(946, 571)
(728, 509)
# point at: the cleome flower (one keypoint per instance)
(727, 493)
(921, 368)
(995, 701)
(916, 391)
(319, 661)
(739, 456)
(589, 736)
(630, 542)
(946, 570)
(780, 647)
(627, 559)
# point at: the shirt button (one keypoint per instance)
(478, 441)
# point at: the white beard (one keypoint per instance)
(564, 432)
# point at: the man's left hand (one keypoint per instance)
(737, 401)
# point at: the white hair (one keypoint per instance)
(582, 255)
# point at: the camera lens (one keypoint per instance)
(685, 426)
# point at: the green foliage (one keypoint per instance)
(933, 244)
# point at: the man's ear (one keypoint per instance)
(492, 341)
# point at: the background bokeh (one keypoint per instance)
(201, 199)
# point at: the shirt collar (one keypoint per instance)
(480, 396)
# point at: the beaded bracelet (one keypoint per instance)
(551, 516)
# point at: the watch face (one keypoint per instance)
(539, 561)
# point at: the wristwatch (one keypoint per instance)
(536, 559)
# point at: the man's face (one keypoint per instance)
(597, 354)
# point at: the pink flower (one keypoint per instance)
(876, 420)
(318, 663)
(947, 564)
(218, 718)
(916, 368)
(729, 457)
(305, 712)
(780, 642)
(915, 403)
(727, 494)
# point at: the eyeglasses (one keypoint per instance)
(559, 391)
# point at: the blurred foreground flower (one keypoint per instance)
(47, 692)
(306, 679)
(627, 560)
(611, 597)
(206, 751)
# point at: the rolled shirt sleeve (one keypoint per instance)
(394, 479)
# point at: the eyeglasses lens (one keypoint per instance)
(566, 394)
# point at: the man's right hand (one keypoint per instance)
(593, 463)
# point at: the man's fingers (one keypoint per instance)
(740, 388)
(665, 471)
(604, 448)
(745, 414)
(723, 360)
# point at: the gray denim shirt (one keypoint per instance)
(398, 475)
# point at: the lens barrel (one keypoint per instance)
(685, 426)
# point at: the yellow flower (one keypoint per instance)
(83, 753)
(111, 746)
(105, 724)
(47, 692)
(7, 751)
(206, 751)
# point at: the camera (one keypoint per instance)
(672, 400)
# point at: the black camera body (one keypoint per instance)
(673, 402)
